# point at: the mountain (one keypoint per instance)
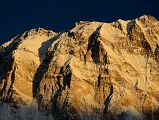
(93, 71)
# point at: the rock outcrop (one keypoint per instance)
(19, 59)
(95, 70)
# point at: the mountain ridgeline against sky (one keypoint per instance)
(18, 16)
(93, 71)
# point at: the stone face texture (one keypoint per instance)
(105, 70)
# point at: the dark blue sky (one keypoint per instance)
(17, 16)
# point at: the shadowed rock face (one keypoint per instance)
(93, 71)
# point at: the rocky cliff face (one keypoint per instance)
(95, 70)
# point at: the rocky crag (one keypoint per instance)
(94, 70)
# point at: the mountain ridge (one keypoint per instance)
(104, 70)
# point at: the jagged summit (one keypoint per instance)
(102, 70)
(28, 35)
